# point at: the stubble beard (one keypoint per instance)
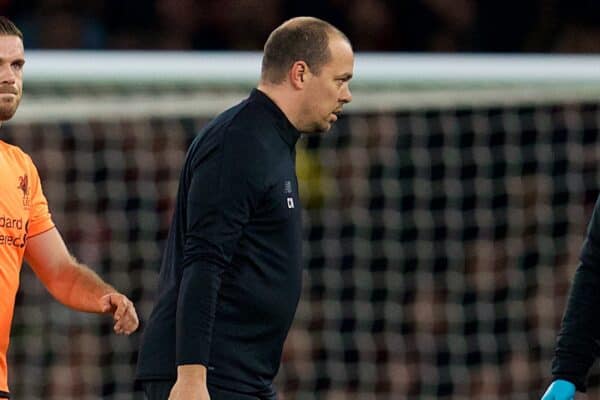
(323, 126)
(320, 128)
(7, 110)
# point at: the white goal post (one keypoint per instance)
(106, 84)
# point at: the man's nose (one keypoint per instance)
(7, 75)
(346, 96)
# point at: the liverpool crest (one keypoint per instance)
(24, 187)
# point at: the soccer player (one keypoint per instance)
(231, 273)
(578, 342)
(27, 230)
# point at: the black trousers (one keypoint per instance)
(159, 390)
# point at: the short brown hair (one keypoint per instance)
(8, 28)
(299, 39)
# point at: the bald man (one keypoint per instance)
(231, 275)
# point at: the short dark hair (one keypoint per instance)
(8, 28)
(299, 39)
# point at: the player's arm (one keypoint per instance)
(74, 284)
(577, 342)
(220, 198)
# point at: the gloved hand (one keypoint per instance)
(560, 390)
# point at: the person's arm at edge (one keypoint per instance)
(577, 346)
(74, 284)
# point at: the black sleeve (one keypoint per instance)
(219, 201)
(577, 344)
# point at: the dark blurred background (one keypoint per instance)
(375, 25)
(439, 241)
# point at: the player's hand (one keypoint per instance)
(190, 384)
(560, 390)
(188, 390)
(123, 312)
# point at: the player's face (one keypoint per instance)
(329, 91)
(12, 58)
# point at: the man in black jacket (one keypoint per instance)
(231, 274)
(578, 340)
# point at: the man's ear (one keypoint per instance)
(298, 74)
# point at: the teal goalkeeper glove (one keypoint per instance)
(560, 390)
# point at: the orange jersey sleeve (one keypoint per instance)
(23, 213)
(39, 215)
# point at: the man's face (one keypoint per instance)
(12, 58)
(327, 92)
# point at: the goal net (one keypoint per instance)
(443, 217)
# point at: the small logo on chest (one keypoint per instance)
(287, 189)
(23, 185)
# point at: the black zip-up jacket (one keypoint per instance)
(231, 273)
(577, 345)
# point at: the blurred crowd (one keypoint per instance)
(568, 26)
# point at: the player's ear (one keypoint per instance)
(298, 74)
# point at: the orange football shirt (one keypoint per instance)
(23, 214)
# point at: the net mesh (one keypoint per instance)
(439, 247)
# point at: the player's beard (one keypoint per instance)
(8, 109)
